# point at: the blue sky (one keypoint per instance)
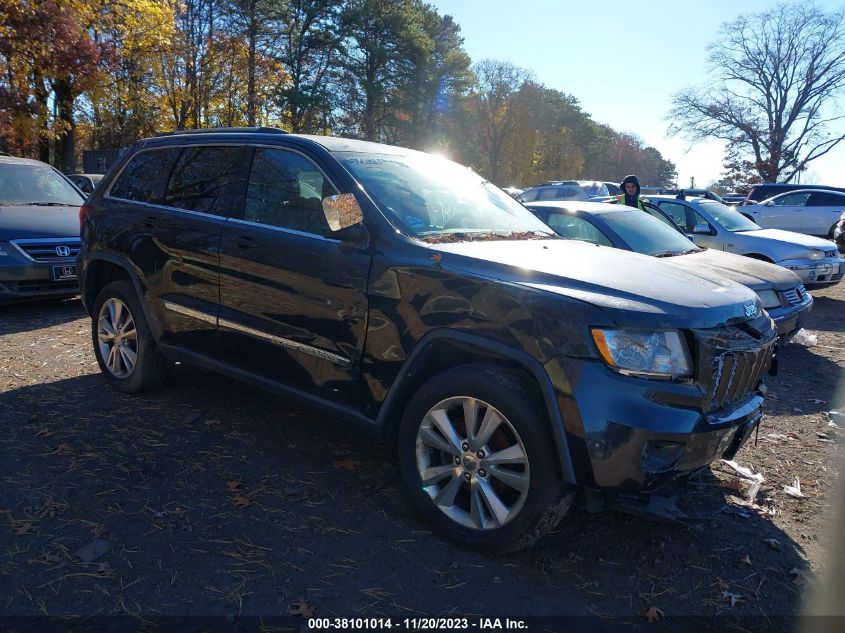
(622, 60)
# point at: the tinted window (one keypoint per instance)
(826, 200)
(287, 190)
(208, 179)
(576, 228)
(141, 179)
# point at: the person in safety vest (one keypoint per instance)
(631, 193)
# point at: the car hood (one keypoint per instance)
(753, 273)
(790, 238)
(636, 290)
(38, 222)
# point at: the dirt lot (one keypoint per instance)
(209, 497)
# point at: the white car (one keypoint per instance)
(811, 211)
(564, 190)
(715, 225)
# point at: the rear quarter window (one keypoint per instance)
(140, 180)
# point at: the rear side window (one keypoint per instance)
(826, 200)
(140, 180)
(208, 179)
(796, 199)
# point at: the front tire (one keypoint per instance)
(476, 459)
(123, 343)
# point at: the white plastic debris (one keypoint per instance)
(795, 489)
(805, 338)
(744, 472)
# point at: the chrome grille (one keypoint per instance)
(731, 361)
(793, 296)
(49, 250)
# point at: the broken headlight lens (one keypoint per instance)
(649, 354)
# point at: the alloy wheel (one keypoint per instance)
(117, 338)
(472, 463)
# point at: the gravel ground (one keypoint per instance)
(209, 497)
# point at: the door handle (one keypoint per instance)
(245, 242)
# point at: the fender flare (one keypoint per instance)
(523, 359)
(134, 277)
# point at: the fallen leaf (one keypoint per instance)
(42, 433)
(234, 484)
(436, 258)
(23, 528)
(733, 598)
(99, 531)
(64, 449)
(652, 614)
(772, 543)
(746, 559)
(241, 501)
(721, 584)
(301, 607)
(346, 463)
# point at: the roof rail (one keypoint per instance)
(227, 130)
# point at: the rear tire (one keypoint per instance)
(123, 343)
(477, 461)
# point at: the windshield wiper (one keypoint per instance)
(46, 204)
(668, 253)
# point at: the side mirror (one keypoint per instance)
(342, 211)
(702, 229)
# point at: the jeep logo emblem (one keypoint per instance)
(63, 251)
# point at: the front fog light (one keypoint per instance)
(650, 354)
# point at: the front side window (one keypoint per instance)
(208, 179)
(35, 185)
(677, 212)
(436, 200)
(577, 229)
(286, 190)
(140, 180)
(796, 199)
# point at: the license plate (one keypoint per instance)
(64, 273)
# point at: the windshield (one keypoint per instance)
(592, 189)
(438, 200)
(648, 235)
(26, 184)
(730, 219)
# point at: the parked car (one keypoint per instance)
(39, 231)
(85, 182)
(694, 193)
(564, 190)
(767, 190)
(839, 233)
(811, 211)
(715, 225)
(404, 293)
(781, 291)
(733, 199)
(613, 188)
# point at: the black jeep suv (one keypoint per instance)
(406, 294)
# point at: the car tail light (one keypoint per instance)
(82, 210)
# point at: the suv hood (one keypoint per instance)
(755, 274)
(636, 290)
(38, 222)
(791, 238)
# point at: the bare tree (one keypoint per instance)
(773, 97)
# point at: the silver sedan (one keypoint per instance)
(714, 225)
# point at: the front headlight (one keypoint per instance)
(769, 299)
(661, 354)
(815, 255)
